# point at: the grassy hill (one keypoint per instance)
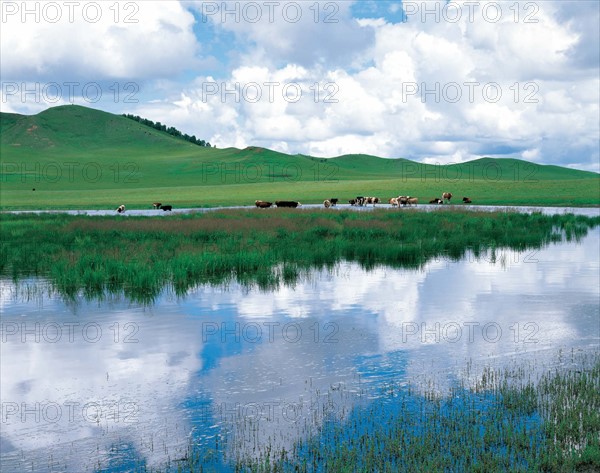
(77, 157)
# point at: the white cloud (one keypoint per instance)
(474, 85)
(120, 40)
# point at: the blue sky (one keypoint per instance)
(423, 80)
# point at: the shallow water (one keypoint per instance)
(109, 384)
(588, 211)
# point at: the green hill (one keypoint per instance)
(77, 157)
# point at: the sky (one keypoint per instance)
(430, 81)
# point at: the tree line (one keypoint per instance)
(170, 130)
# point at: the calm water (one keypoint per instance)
(108, 385)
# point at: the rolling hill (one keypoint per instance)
(78, 157)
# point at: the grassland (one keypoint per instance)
(78, 158)
(141, 256)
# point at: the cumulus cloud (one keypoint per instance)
(95, 40)
(447, 84)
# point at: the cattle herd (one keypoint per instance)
(360, 201)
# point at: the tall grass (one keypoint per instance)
(140, 256)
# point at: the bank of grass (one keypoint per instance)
(139, 256)
(509, 420)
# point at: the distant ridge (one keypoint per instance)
(73, 130)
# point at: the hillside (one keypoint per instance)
(72, 154)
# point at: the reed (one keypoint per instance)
(140, 256)
(509, 421)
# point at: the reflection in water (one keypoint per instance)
(113, 384)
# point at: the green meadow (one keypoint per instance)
(80, 158)
(141, 256)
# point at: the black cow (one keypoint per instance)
(166, 207)
(333, 202)
(437, 200)
(121, 208)
(287, 203)
(466, 200)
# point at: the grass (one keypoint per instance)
(508, 420)
(140, 256)
(75, 157)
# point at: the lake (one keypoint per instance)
(109, 385)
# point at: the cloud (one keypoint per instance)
(96, 41)
(501, 80)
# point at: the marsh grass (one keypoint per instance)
(141, 256)
(508, 420)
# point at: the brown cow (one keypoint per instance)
(412, 201)
(156, 205)
(261, 204)
(447, 196)
(394, 202)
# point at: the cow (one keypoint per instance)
(261, 204)
(327, 203)
(446, 196)
(287, 203)
(156, 205)
(437, 200)
(360, 200)
(403, 200)
(333, 202)
(372, 200)
(166, 208)
(466, 200)
(121, 208)
(394, 202)
(352, 201)
(412, 201)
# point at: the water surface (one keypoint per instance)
(109, 384)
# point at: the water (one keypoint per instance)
(111, 385)
(588, 211)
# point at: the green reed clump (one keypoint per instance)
(513, 424)
(141, 255)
